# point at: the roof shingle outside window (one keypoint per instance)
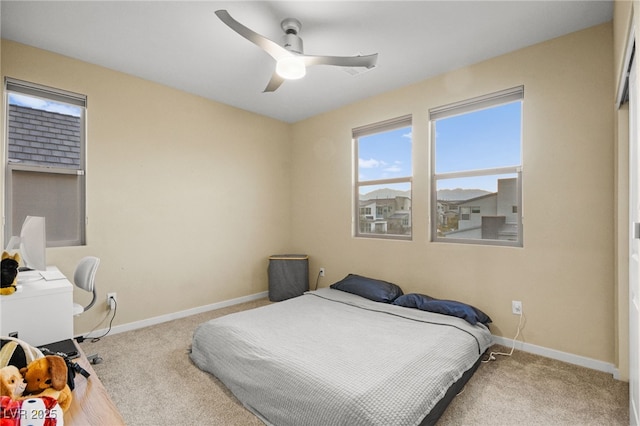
(43, 138)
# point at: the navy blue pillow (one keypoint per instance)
(376, 290)
(423, 302)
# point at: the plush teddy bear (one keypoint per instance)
(48, 377)
(12, 383)
(9, 268)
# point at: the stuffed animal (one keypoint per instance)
(12, 383)
(16, 411)
(41, 411)
(48, 377)
(9, 273)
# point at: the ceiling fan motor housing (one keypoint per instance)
(292, 43)
(290, 39)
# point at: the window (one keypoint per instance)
(477, 170)
(383, 174)
(45, 161)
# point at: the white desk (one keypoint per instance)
(41, 311)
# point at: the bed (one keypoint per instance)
(330, 357)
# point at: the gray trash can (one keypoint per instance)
(288, 276)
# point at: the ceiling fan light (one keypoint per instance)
(291, 68)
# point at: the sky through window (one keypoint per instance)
(44, 104)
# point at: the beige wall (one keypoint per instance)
(186, 198)
(564, 275)
(161, 159)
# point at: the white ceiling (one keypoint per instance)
(184, 45)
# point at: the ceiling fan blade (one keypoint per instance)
(274, 83)
(368, 61)
(272, 48)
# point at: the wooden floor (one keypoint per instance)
(91, 403)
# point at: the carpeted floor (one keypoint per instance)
(151, 379)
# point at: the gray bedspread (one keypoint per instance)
(334, 358)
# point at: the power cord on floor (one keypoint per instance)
(97, 338)
(513, 346)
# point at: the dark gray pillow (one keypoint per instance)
(469, 313)
(376, 290)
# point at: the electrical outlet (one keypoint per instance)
(322, 272)
(111, 300)
(516, 307)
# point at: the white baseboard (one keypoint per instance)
(582, 361)
(176, 315)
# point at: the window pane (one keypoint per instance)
(383, 181)
(45, 161)
(385, 155)
(479, 208)
(44, 133)
(483, 139)
(477, 169)
(56, 197)
(385, 209)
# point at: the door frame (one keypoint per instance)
(629, 91)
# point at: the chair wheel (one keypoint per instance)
(95, 359)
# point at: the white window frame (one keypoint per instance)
(367, 130)
(464, 107)
(11, 226)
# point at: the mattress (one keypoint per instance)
(335, 358)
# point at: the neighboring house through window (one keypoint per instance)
(45, 173)
(477, 170)
(383, 175)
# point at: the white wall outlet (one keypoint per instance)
(516, 307)
(111, 300)
(322, 272)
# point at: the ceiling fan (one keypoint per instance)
(291, 62)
